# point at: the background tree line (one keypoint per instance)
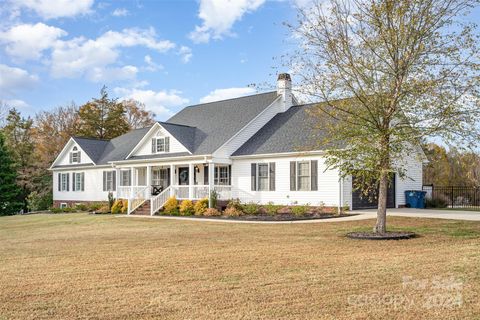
(29, 145)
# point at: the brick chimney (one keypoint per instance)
(284, 88)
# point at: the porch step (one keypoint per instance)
(143, 210)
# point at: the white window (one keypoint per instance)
(125, 177)
(75, 155)
(160, 144)
(78, 181)
(262, 177)
(303, 175)
(63, 205)
(222, 175)
(109, 181)
(64, 181)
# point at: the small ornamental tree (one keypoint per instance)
(9, 190)
(390, 74)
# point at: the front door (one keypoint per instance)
(183, 176)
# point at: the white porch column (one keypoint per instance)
(172, 180)
(211, 178)
(149, 179)
(191, 180)
(117, 182)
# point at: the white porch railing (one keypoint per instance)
(159, 200)
(201, 192)
(127, 192)
(138, 199)
(224, 192)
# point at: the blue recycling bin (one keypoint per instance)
(415, 199)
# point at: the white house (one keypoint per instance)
(256, 148)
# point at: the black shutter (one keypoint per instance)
(168, 176)
(59, 182)
(73, 181)
(230, 175)
(167, 144)
(314, 175)
(272, 176)
(154, 145)
(254, 176)
(83, 181)
(114, 181)
(104, 180)
(205, 174)
(68, 181)
(293, 175)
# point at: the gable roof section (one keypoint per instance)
(92, 147)
(119, 147)
(184, 134)
(289, 131)
(215, 123)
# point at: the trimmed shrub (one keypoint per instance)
(95, 206)
(124, 206)
(251, 208)
(232, 212)
(56, 210)
(201, 206)
(299, 211)
(211, 212)
(81, 207)
(236, 204)
(171, 206)
(271, 209)
(213, 198)
(117, 206)
(187, 208)
(437, 202)
(103, 209)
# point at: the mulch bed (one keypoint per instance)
(381, 236)
(278, 217)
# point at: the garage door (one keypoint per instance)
(361, 201)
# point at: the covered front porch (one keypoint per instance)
(192, 181)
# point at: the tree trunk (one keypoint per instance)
(381, 226)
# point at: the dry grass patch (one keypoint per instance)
(82, 266)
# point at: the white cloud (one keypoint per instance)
(51, 9)
(99, 74)
(186, 54)
(219, 16)
(16, 103)
(151, 66)
(120, 12)
(85, 57)
(14, 79)
(158, 102)
(228, 93)
(28, 41)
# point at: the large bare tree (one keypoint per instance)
(391, 73)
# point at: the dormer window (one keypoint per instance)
(75, 155)
(160, 144)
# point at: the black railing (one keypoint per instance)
(454, 196)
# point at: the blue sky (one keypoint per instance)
(167, 54)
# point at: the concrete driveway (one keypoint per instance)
(425, 213)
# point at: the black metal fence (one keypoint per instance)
(454, 196)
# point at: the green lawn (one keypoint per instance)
(79, 266)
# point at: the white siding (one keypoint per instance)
(412, 181)
(64, 158)
(249, 130)
(328, 186)
(93, 186)
(146, 147)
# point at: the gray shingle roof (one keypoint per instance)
(290, 131)
(201, 128)
(216, 122)
(160, 156)
(92, 147)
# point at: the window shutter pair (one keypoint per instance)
(313, 175)
(253, 174)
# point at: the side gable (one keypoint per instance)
(144, 146)
(63, 159)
